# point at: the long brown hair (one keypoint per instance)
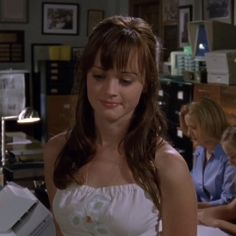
(115, 38)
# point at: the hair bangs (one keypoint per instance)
(117, 50)
(210, 117)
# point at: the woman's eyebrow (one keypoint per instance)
(122, 72)
(130, 72)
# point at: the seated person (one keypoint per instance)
(223, 217)
(213, 176)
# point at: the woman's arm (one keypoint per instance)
(51, 151)
(178, 198)
(226, 226)
(226, 190)
(220, 216)
(218, 223)
(229, 185)
(225, 212)
(202, 205)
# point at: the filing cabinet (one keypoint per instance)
(164, 97)
(57, 96)
(182, 93)
(59, 77)
(172, 95)
(60, 113)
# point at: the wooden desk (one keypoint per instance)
(24, 147)
(24, 160)
(224, 95)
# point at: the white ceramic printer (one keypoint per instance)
(221, 66)
(22, 214)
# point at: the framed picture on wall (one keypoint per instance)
(60, 18)
(234, 15)
(170, 12)
(93, 17)
(221, 10)
(14, 11)
(12, 46)
(185, 15)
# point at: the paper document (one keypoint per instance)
(17, 138)
(26, 141)
(203, 230)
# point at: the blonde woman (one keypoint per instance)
(223, 217)
(212, 173)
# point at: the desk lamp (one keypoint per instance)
(27, 115)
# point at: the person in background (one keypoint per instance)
(223, 217)
(204, 122)
(114, 173)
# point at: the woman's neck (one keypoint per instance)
(110, 134)
(211, 146)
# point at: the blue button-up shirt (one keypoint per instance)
(215, 179)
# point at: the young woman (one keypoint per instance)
(223, 217)
(113, 173)
(213, 176)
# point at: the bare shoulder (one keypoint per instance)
(51, 151)
(171, 165)
(177, 193)
(53, 147)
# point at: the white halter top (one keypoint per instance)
(122, 210)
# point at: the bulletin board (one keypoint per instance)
(11, 46)
(12, 92)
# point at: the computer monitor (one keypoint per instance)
(202, 46)
(206, 36)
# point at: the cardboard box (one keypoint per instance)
(22, 214)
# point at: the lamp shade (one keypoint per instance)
(28, 115)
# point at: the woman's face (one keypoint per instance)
(114, 94)
(194, 130)
(230, 151)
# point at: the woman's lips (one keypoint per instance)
(110, 104)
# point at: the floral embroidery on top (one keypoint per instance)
(90, 215)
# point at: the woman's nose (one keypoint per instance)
(111, 86)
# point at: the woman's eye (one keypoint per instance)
(99, 77)
(126, 82)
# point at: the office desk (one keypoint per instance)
(24, 160)
(24, 147)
